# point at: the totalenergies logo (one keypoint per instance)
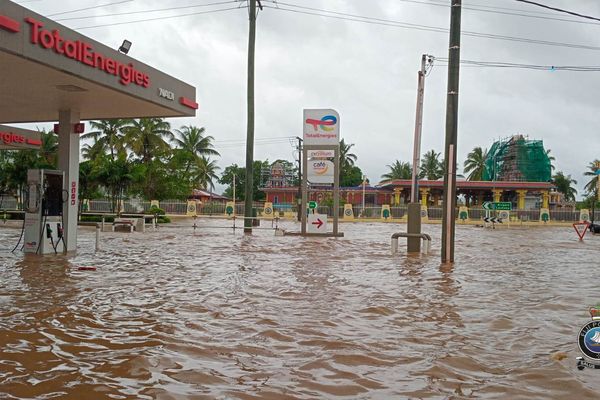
(320, 167)
(326, 123)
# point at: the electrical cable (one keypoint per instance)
(512, 11)
(158, 18)
(90, 8)
(558, 9)
(406, 25)
(498, 64)
(147, 11)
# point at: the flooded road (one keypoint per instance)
(215, 315)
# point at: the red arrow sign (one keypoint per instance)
(318, 223)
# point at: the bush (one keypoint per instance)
(156, 210)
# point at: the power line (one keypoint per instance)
(511, 11)
(90, 8)
(160, 18)
(406, 25)
(498, 64)
(148, 11)
(559, 9)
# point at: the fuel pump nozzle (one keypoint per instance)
(49, 236)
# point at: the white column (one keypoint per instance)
(68, 161)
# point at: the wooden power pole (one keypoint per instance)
(449, 216)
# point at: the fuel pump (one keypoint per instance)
(44, 227)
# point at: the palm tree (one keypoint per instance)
(194, 145)
(593, 167)
(398, 170)
(48, 150)
(109, 134)
(146, 137)
(551, 159)
(205, 173)
(475, 164)
(564, 185)
(347, 159)
(431, 166)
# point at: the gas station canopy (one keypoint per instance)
(46, 67)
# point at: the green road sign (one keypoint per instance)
(312, 205)
(498, 205)
(229, 210)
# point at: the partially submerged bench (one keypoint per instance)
(133, 223)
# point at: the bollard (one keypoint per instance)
(103, 223)
(394, 245)
(98, 236)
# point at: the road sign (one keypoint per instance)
(493, 220)
(497, 205)
(581, 228)
(316, 223)
(312, 205)
(321, 127)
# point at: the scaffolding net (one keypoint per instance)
(517, 159)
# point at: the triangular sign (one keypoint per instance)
(581, 228)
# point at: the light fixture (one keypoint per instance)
(125, 47)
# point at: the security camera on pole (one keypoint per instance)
(321, 139)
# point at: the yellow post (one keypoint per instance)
(521, 199)
(497, 195)
(424, 194)
(268, 210)
(545, 199)
(348, 212)
(397, 192)
(191, 208)
(424, 214)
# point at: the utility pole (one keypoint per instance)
(299, 197)
(449, 210)
(414, 208)
(249, 190)
(362, 211)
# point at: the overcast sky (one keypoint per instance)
(367, 72)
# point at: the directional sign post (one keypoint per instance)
(316, 223)
(312, 205)
(497, 205)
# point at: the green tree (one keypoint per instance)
(148, 138)
(205, 173)
(194, 145)
(240, 180)
(564, 184)
(593, 166)
(108, 135)
(431, 167)
(398, 170)
(353, 177)
(475, 164)
(347, 159)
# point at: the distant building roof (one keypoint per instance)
(205, 193)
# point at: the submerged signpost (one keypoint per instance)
(321, 130)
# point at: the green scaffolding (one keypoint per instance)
(517, 160)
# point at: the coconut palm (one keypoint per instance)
(593, 167)
(109, 134)
(431, 166)
(194, 145)
(551, 159)
(398, 170)
(205, 173)
(564, 184)
(347, 159)
(48, 150)
(475, 164)
(145, 137)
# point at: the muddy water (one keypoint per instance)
(216, 315)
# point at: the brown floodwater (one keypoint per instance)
(175, 314)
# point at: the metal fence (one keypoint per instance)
(178, 207)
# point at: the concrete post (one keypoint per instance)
(545, 199)
(68, 161)
(424, 195)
